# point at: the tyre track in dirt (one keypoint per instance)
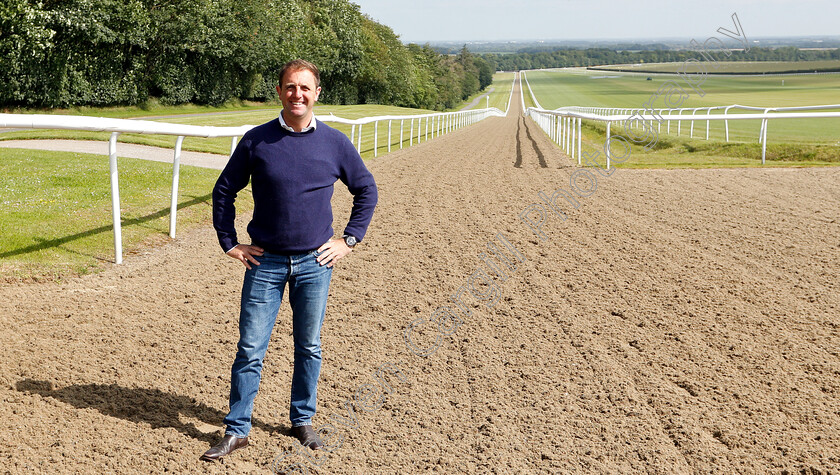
(540, 155)
(676, 322)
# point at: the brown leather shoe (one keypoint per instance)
(307, 437)
(227, 445)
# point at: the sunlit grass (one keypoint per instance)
(55, 218)
(502, 82)
(600, 89)
(682, 152)
(791, 142)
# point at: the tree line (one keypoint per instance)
(59, 53)
(571, 57)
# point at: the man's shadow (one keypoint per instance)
(151, 406)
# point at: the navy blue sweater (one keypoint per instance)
(292, 176)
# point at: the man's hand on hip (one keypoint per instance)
(332, 251)
(245, 253)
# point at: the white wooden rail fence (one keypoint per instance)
(428, 125)
(563, 125)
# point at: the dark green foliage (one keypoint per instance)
(58, 53)
(570, 57)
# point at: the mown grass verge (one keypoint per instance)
(682, 152)
(56, 210)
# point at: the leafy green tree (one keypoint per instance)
(485, 72)
(107, 52)
(468, 73)
(25, 42)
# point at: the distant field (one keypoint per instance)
(502, 83)
(733, 67)
(596, 88)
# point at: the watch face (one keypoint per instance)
(350, 240)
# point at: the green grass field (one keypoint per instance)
(56, 213)
(734, 67)
(816, 139)
(682, 152)
(502, 82)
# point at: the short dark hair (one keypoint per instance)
(299, 65)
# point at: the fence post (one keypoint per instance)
(176, 172)
(691, 135)
(607, 145)
(579, 139)
(560, 131)
(232, 144)
(401, 133)
(668, 131)
(763, 140)
(375, 137)
(551, 127)
(411, 133)
(566, 134)
(726, 121)
(360, 139)
(561, 124)
(679, 122)
(353, 135)
(115, 197)
(708, 112)
(389, 135)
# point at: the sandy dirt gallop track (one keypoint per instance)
(676, 322)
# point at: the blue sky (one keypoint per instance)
(481, 20)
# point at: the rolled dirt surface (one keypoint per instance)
(678, 321)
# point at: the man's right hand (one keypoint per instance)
(245, 253)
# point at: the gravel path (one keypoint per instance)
(475, 101)
(679, 321)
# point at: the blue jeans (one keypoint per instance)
(262, 292)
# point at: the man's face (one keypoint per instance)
(298, 95)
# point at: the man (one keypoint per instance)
(292, 163)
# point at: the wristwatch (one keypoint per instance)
(350, 240)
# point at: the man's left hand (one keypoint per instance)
(333, 250)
